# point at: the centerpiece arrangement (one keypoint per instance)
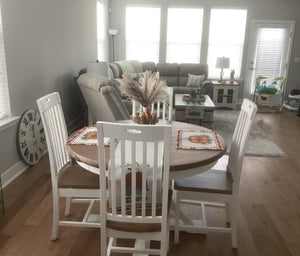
(147, 90)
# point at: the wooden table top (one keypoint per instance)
(180, 159)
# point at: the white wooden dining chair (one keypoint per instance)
(164, 110)
(68, 180)
(217, 186)
(138, 186)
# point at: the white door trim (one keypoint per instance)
(252, 44)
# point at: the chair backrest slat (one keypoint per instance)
(239, 139)
(163, 110)
(135, 184)
(55, 130)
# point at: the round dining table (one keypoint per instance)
(183, 162)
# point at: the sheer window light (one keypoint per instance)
(101, 31)
(4, 97)
(184, 34)
(142, 33)
(226, 38)
(271, 45)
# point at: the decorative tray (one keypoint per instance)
(187, 97)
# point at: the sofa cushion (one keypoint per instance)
(95, 82)
(169, 72)
(191, 68)
(114, 102)
(130, 66)
(194, 81)
(150, 66)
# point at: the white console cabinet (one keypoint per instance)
(225, 94)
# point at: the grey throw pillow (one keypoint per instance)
(195, 81)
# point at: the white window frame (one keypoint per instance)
(249, 87)
(227, 72)
(102, 45)
(5, 111)
(159, 32)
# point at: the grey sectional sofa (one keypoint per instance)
(175, 75)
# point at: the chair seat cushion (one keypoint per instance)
(74, 176)
(212, 181)
(139, 227)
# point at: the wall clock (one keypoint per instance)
(31, 141)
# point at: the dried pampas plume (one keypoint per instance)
(147, 90)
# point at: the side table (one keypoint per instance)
(225, 93)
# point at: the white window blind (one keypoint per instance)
(271, 51)
(4, 97)
(184, 34)
(101, 31)
(142, 33)
(226, 38)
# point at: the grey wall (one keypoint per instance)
(257, 10)
(46, 43)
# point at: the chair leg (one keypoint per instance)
(177, 208)
(55, 216)
(103, 241)
(168, 233)
(234, 226)
(228, 212)
(68, 206)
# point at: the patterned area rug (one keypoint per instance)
(259, 144)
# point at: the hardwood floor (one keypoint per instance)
(268, 214)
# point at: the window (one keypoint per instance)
(101, 31)
(4, 97)
(271, 51)
(184, 35)
(142, 33)
(226, 38)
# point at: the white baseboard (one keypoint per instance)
(13, 172)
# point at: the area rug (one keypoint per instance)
(259, 144)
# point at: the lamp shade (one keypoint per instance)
(98, 68)
(112, 32)
(222, 62)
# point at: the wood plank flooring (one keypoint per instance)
(268, 213)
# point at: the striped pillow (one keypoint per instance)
(194, 81)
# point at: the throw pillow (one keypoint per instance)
(195, 81)
(115, 70)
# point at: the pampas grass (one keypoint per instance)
(147, 90)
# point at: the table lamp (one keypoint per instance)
(222, 63)
(98, 68)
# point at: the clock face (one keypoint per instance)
(31, 137)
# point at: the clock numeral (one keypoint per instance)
(26, 153)
(42, 130)
(25, 121)
(30, 117)
(23, 144)
(23, 132)
(39, 121)
(34, 118)
(31, 157)
(42, 140)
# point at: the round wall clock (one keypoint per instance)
(31, 141)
